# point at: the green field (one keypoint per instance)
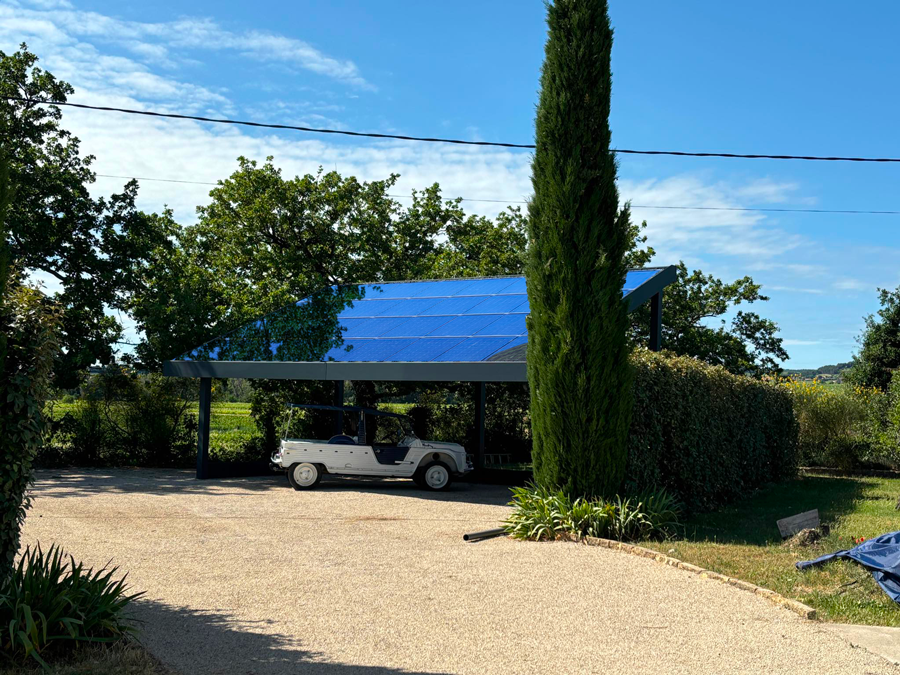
(230, 426)
(742, 541)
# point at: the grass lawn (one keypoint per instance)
(121, 659)
(230, 425)
(742, 541)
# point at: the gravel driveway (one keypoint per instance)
(247, 576)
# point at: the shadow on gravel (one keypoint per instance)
(87, 482)
(206, 642)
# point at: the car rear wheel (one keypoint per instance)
(304, 475)
(435, 476)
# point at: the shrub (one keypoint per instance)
(540, 514)
(30, 332)
(50, 601)
(704, 434)
(838, 424)
(122, 418)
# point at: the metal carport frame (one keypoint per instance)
(507, 367)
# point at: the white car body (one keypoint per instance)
(362, 460)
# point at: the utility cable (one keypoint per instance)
(456, 141)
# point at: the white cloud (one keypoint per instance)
(792, 289)
(679, 233)
(799, 343)
(852, 285)
(155, 42)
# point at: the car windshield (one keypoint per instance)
(406, 425)
(391, 430)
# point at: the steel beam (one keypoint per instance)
(656, 322)
(203, 428)
(338, 401)
(480, 406)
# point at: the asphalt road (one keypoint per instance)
(248, 576)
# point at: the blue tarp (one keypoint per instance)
(881, 556)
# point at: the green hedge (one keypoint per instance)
(707, 435)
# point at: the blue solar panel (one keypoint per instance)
(425, 349)
(637, 277)
(474, 349)
(369, 327)
(465, 326)
(515, 342)
(372, 350)
(441, 320)
(367, 308)
(517, 286)
(454, 306)
(487, 286)
(386, 291)
(410, 307)
(507, 324)
(499, 304)
(440, 289)
(417, 326)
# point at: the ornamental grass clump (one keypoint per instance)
(542, 514)
(50, 603)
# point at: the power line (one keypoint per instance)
(456, 141)
(634, 206)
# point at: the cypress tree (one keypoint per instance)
(578, 364)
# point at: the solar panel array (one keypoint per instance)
(448, 320)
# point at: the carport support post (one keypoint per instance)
(203, 428)
(480, 402)
(656, 322)
(338, 400)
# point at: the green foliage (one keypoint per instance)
(29, 344)
(94, 248)
(264, 241)
(704, 434)
(578, 350)
(50, 601)
(540, 514)
(836, 423)
(879, 353)
(122, 418)
(749, 345)
(268, 407)
(888, 434)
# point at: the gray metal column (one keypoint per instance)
(656, 322)
(480, 404)
(203, 427)
(338, 400)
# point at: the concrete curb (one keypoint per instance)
(797, 607)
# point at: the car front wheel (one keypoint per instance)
(435, 476)
(304, 475)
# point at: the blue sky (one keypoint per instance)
(797, 78)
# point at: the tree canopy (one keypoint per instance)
(879, 352)
(265, 240)
(90, 247)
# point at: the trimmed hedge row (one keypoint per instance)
(707, 435)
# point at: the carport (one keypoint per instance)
(447, 330)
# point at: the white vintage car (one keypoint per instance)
(392, 451)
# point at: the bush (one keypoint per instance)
(30, 332)
(540, 514)
(122, 418)
(704, 434)
(51, 602)
(840, 426)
